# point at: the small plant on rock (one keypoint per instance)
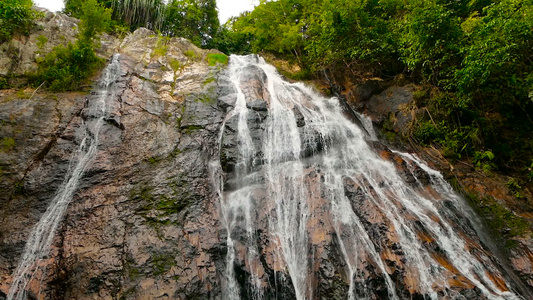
(66, 68)
(216, 58)
(483, 160)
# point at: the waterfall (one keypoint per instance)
(305, 176)
(42, 234)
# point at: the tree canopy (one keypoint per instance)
(196, 20)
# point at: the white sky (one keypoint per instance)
(226, 8)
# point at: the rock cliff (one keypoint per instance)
(143, 223)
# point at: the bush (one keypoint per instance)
(67, 68)
(427, 132)
(16, 16)
(214, 58)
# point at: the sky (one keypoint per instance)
(226, 8)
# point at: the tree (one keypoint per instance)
(139, 13)
(196, 20)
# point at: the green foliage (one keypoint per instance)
(175, 65)
(41, 41)
(95, 19)
(66, 68)
(231, 41)
(217, 58)
(16, 17)
(478, 54)
(196, 20)
(429, 40)
(483, 160)
(4, 83)
(161, 47)
(190, 54)
(73, 8)
(139, 13)
(427, 132)
(515, 187)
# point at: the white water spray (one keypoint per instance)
(41, 237)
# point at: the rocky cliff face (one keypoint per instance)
(393, 108)
(144, 222)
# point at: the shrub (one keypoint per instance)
(66, 68)
(16, 16)
(427, 132)
(41, 41)
(214, 58)
(483, 160)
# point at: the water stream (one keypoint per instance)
(42, 234)
(313, 168)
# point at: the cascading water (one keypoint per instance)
(41, 237)
(311, 179)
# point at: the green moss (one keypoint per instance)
(420, 96)
(216, 58)
(304, 74)
(129, 293)
(209, 97)
(153, 160)
(19, 188)
(190, 54)
(7, 144)
(177, 151)
(160, 51)
(191, 128)
(157, 210)
(209, 80)
(21, 94)
(133, 273)
(390, 136)
(499, 219)
(162, 263)
(175, 64)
